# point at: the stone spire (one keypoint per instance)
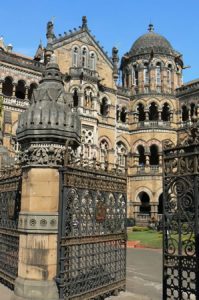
(49, 121)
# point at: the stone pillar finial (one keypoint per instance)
(115, 60)
(84, 22)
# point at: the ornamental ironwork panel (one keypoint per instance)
(92, 234)
(10, 199)
(181, 227)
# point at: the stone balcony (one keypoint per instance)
(84, 73)
(15, 102)
(154, 124)
(147, 170)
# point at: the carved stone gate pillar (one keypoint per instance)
(43, 130)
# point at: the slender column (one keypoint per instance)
(1, 85)
(26, 92)
(147, 114)
(159, 115)
(14, 89)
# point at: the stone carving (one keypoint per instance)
(35, 221)
(43, 155)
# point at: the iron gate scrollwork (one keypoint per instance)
(10, 200)
(92, 234)
(181, 227)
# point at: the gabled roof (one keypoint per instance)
(83, 33)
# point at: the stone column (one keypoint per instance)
(38, 226)
(14, 89)
(1, 85)
(26, 92)
(147, 114)
(159, 115)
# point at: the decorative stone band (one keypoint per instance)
(38, 222)
(50, 155)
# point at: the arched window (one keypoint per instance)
(185, 113)
(136, 78)
(7, 88)
(160, 204)
(158, 74)
(103, 151)
(123, 115)
(193, 109)
(33, 86)
(104, 107)
(88, 97)
(154, 155)
(146, 74)
(153, 112)
(75, 98)
(142, 158)
(133, 76)
(145, 207)
(92, 61)
(169, 76)
(84, 58)
(20, 90)
(166, 112)
(117, 113)
(141, 113)
(75, 56)
(121, 154)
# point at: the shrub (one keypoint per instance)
(140, 228)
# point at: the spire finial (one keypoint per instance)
(151, 27)
(84, 22)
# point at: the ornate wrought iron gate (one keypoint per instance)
(92, 262)
(10, 199)
(181, 223)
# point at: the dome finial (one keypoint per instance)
(151, 28)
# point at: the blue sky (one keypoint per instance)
(113, 22)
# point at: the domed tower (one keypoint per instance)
(152, 70)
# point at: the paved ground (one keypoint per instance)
(144, 277)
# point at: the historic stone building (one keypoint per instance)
(122, 125)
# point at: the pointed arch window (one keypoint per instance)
(88, 97)
(7, 88)
(153, 112)
(75, 56)
(185, 113)
(20, 90)
(193, 110)
(169, 76)
(121, 154)
(141, 153)
(75, 98)
(154, 155)
(104, 107)
(92, 61)
(84, 57)
(141, 112)
(103, 151)
(146, 74)
(158, 74)
(166, 112)
(123, 115)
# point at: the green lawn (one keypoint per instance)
(149, 238)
